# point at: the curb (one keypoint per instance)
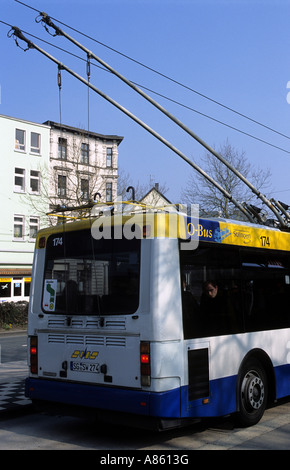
(13, 332)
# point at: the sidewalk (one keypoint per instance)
(12, 385)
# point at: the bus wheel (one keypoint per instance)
(252, 393)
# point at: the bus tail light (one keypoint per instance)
(145, 363)
(33, 355)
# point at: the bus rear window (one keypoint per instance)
(84, 276)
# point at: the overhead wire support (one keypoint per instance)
(59, 69)
(46, 20)
(89, 78)
(283, 208)
(16, 32)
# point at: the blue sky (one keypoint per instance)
(235, 52)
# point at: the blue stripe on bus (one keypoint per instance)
(282, 381)
(173, 403)
(206, 230)
(91, 396)
(221, 400)
(116, 399)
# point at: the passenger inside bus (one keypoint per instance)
(213, 307)
(216, 311)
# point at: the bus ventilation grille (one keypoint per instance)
(198, 376)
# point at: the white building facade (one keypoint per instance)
(24, 151)
(83, 165)
(43, 166)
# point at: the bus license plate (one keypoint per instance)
(83, 367)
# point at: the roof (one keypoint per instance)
(76, 130)
(25, 121)
(155, 190)
(224, 232)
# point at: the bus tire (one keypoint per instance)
(252, 393)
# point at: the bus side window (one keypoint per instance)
(190, 310)
(266, 284)
(222, 266)
(222, 314)
(234, 309)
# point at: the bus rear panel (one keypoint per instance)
(103, 328)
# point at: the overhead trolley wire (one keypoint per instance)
(164, 75)
(218, 121)
(46, 20)
(245, 209)
(18, 34)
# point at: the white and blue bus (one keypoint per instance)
(151, 330)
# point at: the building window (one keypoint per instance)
(85, 154)
(17, 286)
(20, 140)
(61, 186)
(27, 282)
(35, 182)
(84, 189)
(34, 142)
(33, 227)
(62, 148)
(18, 231)
(109, 196)
(109, 159)
(19, 180)
(5, 287)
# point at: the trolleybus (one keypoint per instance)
(135, 323)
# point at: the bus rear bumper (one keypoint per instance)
(169, 406)
(139, 402)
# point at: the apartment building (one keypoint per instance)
(43, 166)
(83, 165)
(24, 151)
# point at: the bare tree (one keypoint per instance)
(70, 182)
(211, 201)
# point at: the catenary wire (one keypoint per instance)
(17, 33)
(159, 94)
(162, 75)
